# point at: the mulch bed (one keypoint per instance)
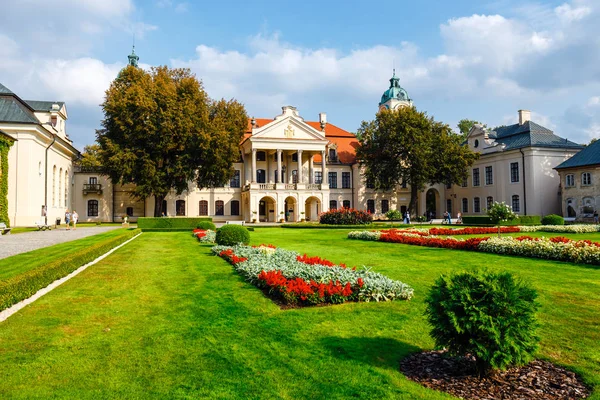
(456, 375)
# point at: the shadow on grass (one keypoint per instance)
(383, 352)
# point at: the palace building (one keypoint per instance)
(290, 169)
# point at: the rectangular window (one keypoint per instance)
(235, 207)
(475, 176)
(332, 180)
(465, 182)
(514, 172)
(318, 177)
(476, 205)
(346, 203)
(93, 180)
(586, 179)
(449, 206)
(235, 180)
(570, 180)
(332, 204)
(489, 202)
(130, 211)
(489, 177)
(371, 206)
(92, 210)
(385, 206)
(295, 176)
(346, 180)
(261, 156)
(261, 176)
(516, 204)
(203, 207)
(180, 208)
(465, 205)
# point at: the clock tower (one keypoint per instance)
(395, 97)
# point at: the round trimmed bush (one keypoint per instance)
(206, 225)
(230, 235)
(488, 315)
(394, 215)
(553, 219)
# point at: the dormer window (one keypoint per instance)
(476, 144)
(54, 120)
(333, 155)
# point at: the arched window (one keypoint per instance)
(571, 213)
(66, 188)
(465, 205)
(235, 207)
(588, 205)
(332, 205)
(346, 204)
(476, 205)
(92, 208)
(60, 187)
(516, 203)
(333, 155)
(180, 208)
(489, 202)
(203, 207)
(54, 186)
(371, 206)
(219, 207)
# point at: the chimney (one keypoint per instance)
(323, 119)
(524, 116)
(253, 122)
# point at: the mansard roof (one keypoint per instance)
(588, 156)
(46, 106)
(12, 110)
(530, 134)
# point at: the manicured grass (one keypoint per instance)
(20, 263)
(161, 318)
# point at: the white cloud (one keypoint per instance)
(571, 14)
(594, 101)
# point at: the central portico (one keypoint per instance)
(286, 177)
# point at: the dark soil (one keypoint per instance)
(456, 375)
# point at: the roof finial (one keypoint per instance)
(133, 58)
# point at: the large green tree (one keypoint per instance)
(161, 131)
(406, 145)
(90, 157)
(465, 125)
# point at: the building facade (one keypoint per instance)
(40, 160)
(516, 167)
(580, 184)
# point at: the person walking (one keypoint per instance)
(596, 216)
(449, 217)
(459, 218)
(407, 217)
(75, 218)
(67, 218)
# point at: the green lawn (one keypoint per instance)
(161, 318)
(20, 263)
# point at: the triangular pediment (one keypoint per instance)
(289, 128)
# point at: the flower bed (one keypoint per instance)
(205, 236)
(556, 248)
(561, 228)
(300, 280)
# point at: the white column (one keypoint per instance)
(323, 168)
(299, 166)
(279, 176)
(253, 180)
(311, 169)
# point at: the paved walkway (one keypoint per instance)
(23, 242)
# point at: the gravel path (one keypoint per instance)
(27, 241)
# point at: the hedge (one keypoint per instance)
(324, 226)
(163, 230)
(168, 223)
(485, 220)
(25, 285)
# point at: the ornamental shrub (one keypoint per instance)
(345, 216)
(231, 235)
(394, 215)
(488, 315)
(206, 225)
(553, 219)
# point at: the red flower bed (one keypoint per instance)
(297, 290)
(473, 231)
(199, 233)
(231, 258)
(469, 244)
(265, 245)
(316, 260)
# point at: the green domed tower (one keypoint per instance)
(395, 97)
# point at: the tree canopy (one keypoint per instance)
(406, 145)
(465, 125)
(90, 157)
(161, 131)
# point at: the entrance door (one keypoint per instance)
(262, 208)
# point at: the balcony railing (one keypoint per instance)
(313, 186)
(92, 188)
(266, 186)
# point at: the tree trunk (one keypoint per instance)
(158, 200)
(412, 206)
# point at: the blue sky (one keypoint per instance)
(457, 59)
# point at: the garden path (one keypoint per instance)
(13, 244)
